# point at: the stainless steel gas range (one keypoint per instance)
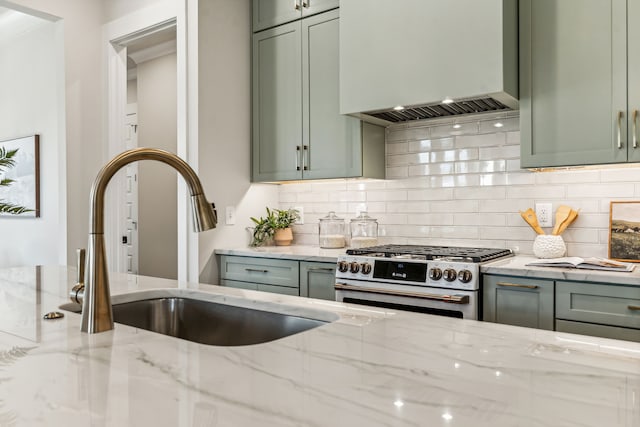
(425, 279)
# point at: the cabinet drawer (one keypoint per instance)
(598, 303)
(278, 289)
(598, 330)
(239, 285)
(268, 271)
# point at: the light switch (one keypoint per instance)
(230, 215)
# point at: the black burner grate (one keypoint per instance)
(433, 252)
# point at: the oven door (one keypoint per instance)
(438, 301)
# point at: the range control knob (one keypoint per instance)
(354, 267)
(435, 274)
(449, 275)
(343, 266)
(366, 268)
(465, 276)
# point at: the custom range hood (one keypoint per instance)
(405, 60)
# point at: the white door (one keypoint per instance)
(129, 239)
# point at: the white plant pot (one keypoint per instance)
(549, 246)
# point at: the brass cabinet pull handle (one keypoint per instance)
(620, 114)
(256, 270)
(634, 133)
(297, 157)
(328, 269)
(296, 5)
(517, 285)
(634, 307)
(453, 299)
(305, 159)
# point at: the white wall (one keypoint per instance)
(225, 126)
(83, 112)
(157, 183)
(32, 72)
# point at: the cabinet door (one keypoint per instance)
(277, 104)
(317, 280)
(518, 301)
(573, 82)
(269, 13)
(633, 70)
(331, 141)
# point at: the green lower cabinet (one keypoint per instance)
(598, 309)
(288, 277)
(317, 280)
(518, 301)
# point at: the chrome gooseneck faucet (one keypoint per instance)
(97, 315)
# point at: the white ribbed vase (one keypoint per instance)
(549, 246)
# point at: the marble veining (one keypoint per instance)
(369, 367)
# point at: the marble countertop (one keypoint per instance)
(295, 252)
(371, 367)
(515, 266)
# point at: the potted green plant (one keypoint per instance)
(7, 161)
(276, 226)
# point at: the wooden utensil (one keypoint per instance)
(530, 217)
(567, 222)
(562, 213)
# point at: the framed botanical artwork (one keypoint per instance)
(20, 177)
(624, 231)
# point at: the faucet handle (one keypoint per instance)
(77, 292)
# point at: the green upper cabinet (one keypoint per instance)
(633, 64)
(298, 132)
(269, 13)
(573, 82)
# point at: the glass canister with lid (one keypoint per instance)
(364, 231)
(332, 232)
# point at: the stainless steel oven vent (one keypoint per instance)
(436, 110)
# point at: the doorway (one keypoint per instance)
(147, 223)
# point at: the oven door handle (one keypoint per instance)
(452, 299)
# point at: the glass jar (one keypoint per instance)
(332, 231)
(364, 231)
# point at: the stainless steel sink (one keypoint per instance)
(208, 322)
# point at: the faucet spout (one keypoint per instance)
(97, 315)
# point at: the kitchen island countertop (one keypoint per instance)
(371, 367)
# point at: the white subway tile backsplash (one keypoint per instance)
(430, 219)
(432, 169)
(430, 194)
(397, 148)
(464, 186)
(602, 190)
(488, 140)
(503, 152)
(481, 166)
(480, 193)
(426, 145)
(536, 192)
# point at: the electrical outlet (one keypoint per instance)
(544, 214)
(300, 210)
(230, 215)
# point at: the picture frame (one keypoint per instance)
(24, 190)
(624, 231)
